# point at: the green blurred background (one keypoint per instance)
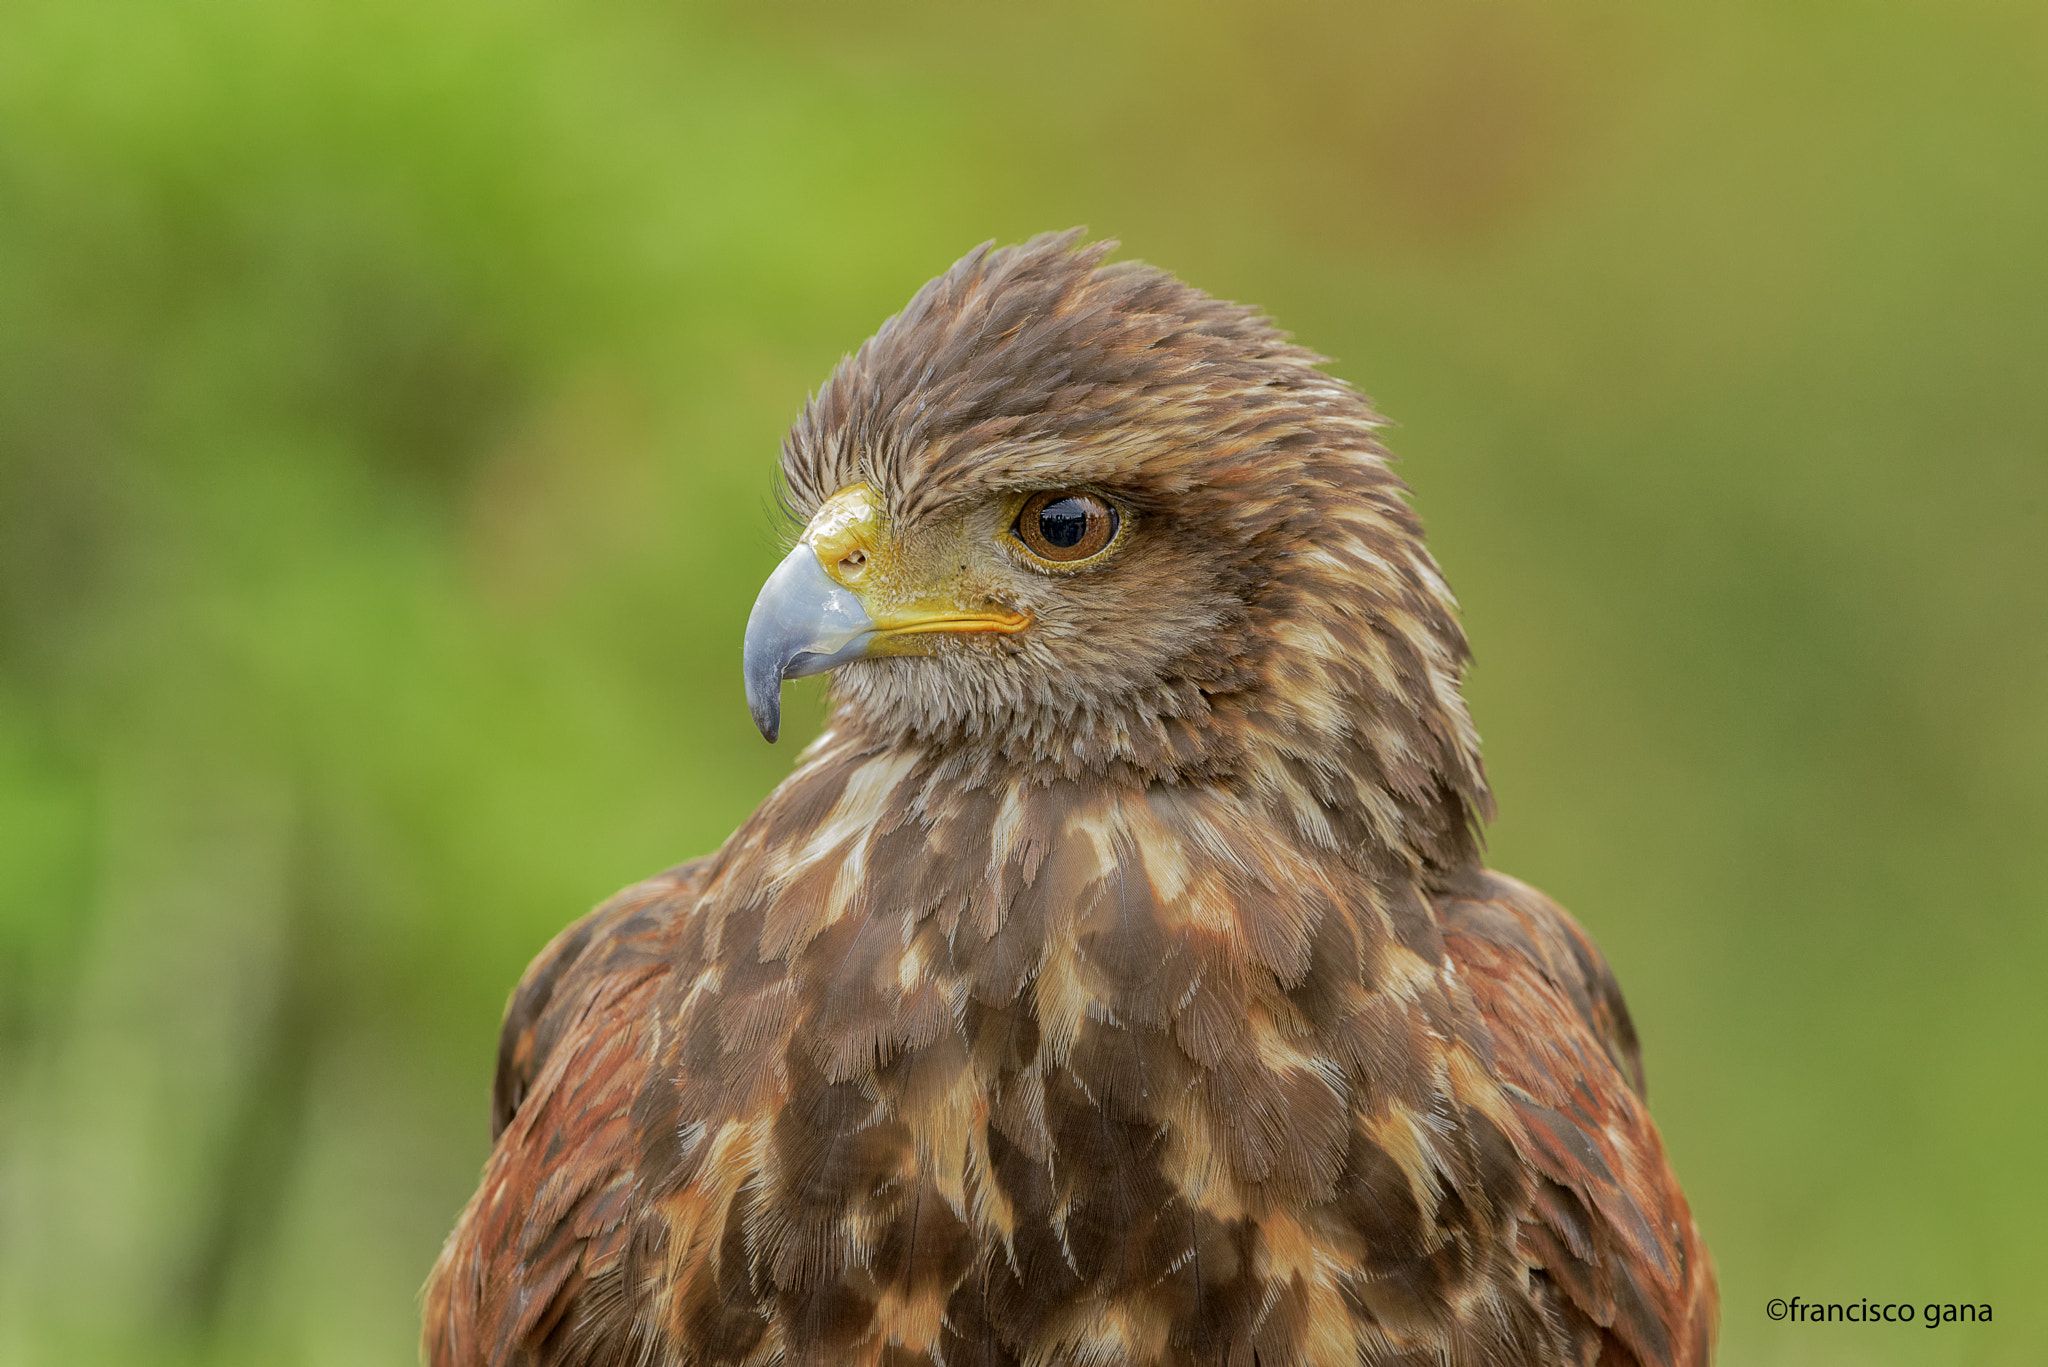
(389, 394)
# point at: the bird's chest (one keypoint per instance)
(1121, 1052)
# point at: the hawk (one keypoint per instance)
(1116, 980)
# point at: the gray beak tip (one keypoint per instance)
(764, 674)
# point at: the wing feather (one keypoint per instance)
(536, 1270)
(1608, 1226)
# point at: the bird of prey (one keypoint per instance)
(1116, 981)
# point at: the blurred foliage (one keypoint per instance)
(389, 393)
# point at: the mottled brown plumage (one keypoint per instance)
(1124, 989)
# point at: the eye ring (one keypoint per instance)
(1066, 525)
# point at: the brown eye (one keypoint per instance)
(1062, 525)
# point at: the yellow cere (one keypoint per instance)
(850, 534)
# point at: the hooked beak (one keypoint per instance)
(803, 623)
(848, 592)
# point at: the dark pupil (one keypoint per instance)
(1064, 523)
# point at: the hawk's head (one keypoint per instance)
(1082, 519)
